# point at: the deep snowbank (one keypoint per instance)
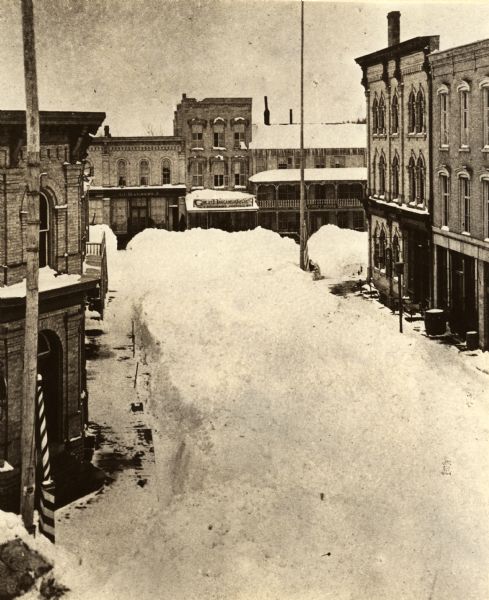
(96, 235)
(339, 252)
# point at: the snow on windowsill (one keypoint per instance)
(196, 148)
(466, 233)
(5, 467)
(445, 228)
(216, 148)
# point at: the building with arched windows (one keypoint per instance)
(66, 285)
(137, 182)
(461, 186)
(399, 200)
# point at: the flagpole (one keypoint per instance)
(302, 224)
(28, 475)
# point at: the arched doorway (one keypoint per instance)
(50, 367)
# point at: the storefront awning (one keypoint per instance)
(219, 201)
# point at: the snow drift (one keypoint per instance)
(339, 252)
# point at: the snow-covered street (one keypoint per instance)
(304, 449)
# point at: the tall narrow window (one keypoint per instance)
(218, 173)
(197, 174)
(239, 175)
(382, 250)
(445, 199)
(412, 113)
(197, 135)
(485, 104)
(373, 190)
(121, 172)
(375, 116)
(464, 183)
(485, 192)
(395, 114)
(376, 248)
(464, 114)
(144, 172)
(239, 136)
(166, 171)
(412, 180)
(395, 178)
(382, 176)
(382, 114)
(421, 181)
(419, 118)
(44, 231)
(444, 118)
(396, 251)
(219, 135)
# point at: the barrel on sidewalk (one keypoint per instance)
(434, 321)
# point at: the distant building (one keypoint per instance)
(64, 290)
(336, 176)
(461, 186)
(136, 183)
(397, 90)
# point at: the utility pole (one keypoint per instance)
(28, 450)
(302, 211)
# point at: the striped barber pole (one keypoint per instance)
(46, 508)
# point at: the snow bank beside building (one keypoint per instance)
(339, 252)
(96, 235)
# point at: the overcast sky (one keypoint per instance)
(133, 59)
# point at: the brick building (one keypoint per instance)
(398, 102)
(461, 186)
(216, 134)
(64, 288)
(335, 175)
(136, 182)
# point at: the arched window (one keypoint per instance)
(395, 114)
(464, 90)
(444, 120)
(412, 180)
(464, 187)
(374, 177)
(382, 175)
(412, 113)
(445, 197)
(376, 247)
(144, 172)
(419, 112)
(382, 114)
(218, 174)
(121, 172)
(382, 250)
(421, 180)
(375, 116)
(395, 177)
(396, 249)
(166, 171)
(44, 231)
(484, 86)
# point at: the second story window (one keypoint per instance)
(395, 178)
(421, 180)
(381, 114)
(485, 196)
(412, 113)
(445, 199)
(239, 174)
(485, 112)
(464, 183)
(412, 180)
(218, 174)
(375, 116)
(419, 116)
(197, 171)
(319, 162)
(464, 113)
(121, 172)
(443, 95)
(395, 114)
(218, 140)
(44, 231)
(382, 175)
(282, 162)
(166, 171)
(197, 136)
(144, 172)
(239, 136)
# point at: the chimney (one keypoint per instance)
(107, 131)
(184, 96)
(291, 120)
(266, 113)
(393, 28)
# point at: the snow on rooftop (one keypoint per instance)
(326, 174)
(316, 135)
(48, 280)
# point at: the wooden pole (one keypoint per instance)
(302, 216)
(28, 475)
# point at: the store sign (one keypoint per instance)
(224, 203)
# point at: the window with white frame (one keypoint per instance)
(485, 196)
(444, 122)
(485, 111)
(445, 199)
(144, 172)
(464, 184)
(464, 113)
(44, 231)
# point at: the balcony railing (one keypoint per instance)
(313, 203)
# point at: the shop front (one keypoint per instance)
(221, 209)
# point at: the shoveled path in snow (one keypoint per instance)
(105, 529)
